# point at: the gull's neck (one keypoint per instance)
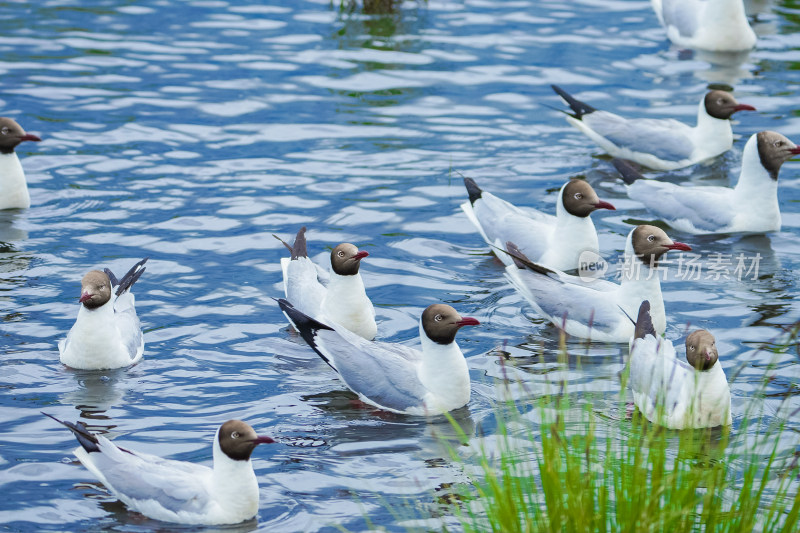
(444, 372)
(234, 485)
(712, 136)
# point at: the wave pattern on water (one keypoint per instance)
(191, 132)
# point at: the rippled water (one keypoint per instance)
(192, 131)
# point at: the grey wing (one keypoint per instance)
(664, 138)
(384, 373)
(527, 228)
(127, 323)
(706, 208)
(136, 477)
(582, 301)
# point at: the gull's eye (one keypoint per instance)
(235, 435)
(691, 348)
(578, 196)
(340, 254)
(651, 238)
(4, 130)
(438, 318)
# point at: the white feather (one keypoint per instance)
(594, 309)
(714, 25)
(552, 241)
(106, 337)
(750, 207)
(13, 186)
(671, 393)
(176, 491)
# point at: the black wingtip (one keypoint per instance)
(627, 170)
(578, 107)
(286, 244)
(86, 439)
(521, 260)
(111, 277)
(644, 324)
(129, 278)
(302, 321)
(473, 190)
(305, 325)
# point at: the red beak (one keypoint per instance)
(604, 205)
(263, 440)
(85, 296)
(795, 150)
(744, 107)
(468, 321)
(29, 137)
(360, 255)
(679, 246)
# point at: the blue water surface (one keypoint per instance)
(192, 131)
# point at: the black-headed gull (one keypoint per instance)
(106, 333)
(714, 25)
(671, 392)
(749, 207)
(392, 376)
(553, 241)
(597, 309)
(177, 491)
(342, 299)
(13, 187)
(660, 144)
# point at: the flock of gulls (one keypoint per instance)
(331, 310)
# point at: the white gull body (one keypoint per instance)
(749, 207)
(392, 376)
(714, 25)
(553, 241)
(13, 186)
(342, 298)
(597, 309)
(107, 336)
(660, 144)
(176, 491)
(669, 391)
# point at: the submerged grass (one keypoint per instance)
(557, 464)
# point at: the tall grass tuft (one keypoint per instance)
(557, 464)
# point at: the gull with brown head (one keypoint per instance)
(749, 207)
(13, 185)
(674, 393)
(553, 241)
(660, 144)
(391, 376)
(106, 333)
(597, 309)
(336, 296)
(178, 491)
